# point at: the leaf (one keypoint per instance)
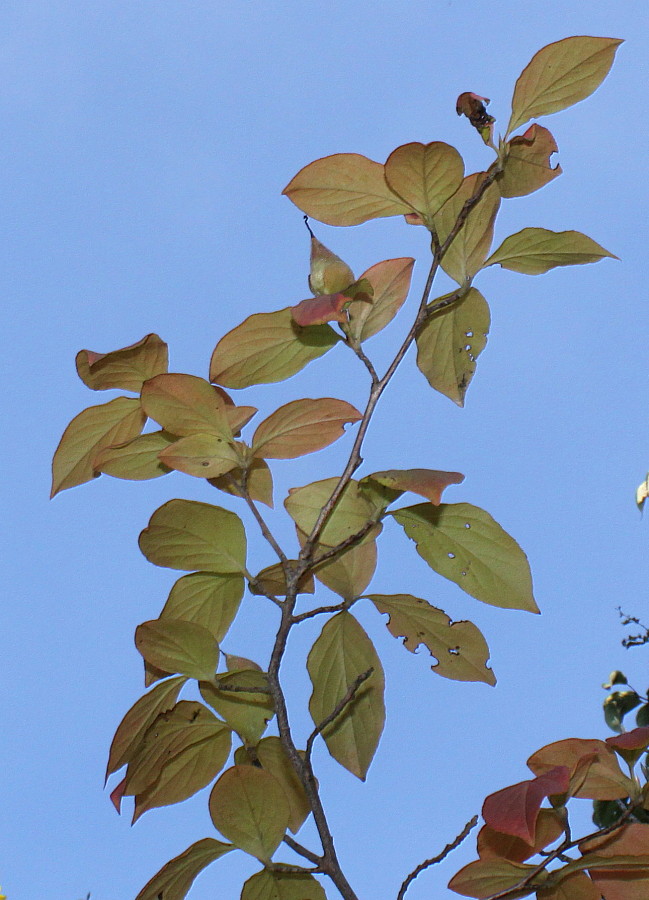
(459, 647)
(485, 877)
(273, 758)
(467, 253)
(246, 713)
(135, 460)
(352, 512)
(185, 534)
(249, 807)
(97, 427)
(577, 886)
(427, 483)
(559, 75)
(174, 645)
(534, 251)
(303, 426)
(344, 189)
(125, 369)
(278, 885)
(273, 580)
(464, 544)
(450, 342)
(424, 175)
(339, 656)
(594, 770)
(390, 281)
(492, 843)
(630, 745)
(268, 347)
(618, 863)
(527, 166)
(260, 482)
(318, 310)
(201, 455)
(174, 879)
(141, 715)
(350, 572)
(206, 598)
(514, 809)
(182, 751)
(186, 405)
(642, 492)
(328, 272)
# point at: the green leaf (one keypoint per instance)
(328, 273)
(534, 251)
(135, 460)
(246, 713)
(459, 647)
(485, 877)
(272, 579)
(272, 757)
(577, 886)
(527, 166)
(464, 544)
(260, 482)
(201, 455)
(352, 512)
(303, 426)
(450, 342)
(350, 572)
(206, 598)
(339, 656)
(390, 281)
(642, 716)
(249, 807)
(278, 885)
(424, 175)
(126, 369)
(174, 645)
(344, 189)
(186, 405)
(559, 75)
(97, 427)
(185, 534)
(268, 347)
(174, 880)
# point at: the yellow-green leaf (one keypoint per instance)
(125, 369)
(206, 598)
(273, 758)
(560, 74)
(174, 879)
(268, 347)
(576, 886)
(272, 579)
(185, 405)
(201, 455)
(352, 512)
(390, 281)
(424, 175)
(185, 534)
(485, 877)
(527, 166)
(350, 572)
(303, 426)
(135, 460)
(459, 647)
(260, 482)
(328, 273)
(175, 645)
(464, 544)
(249, 807)
(344, 189)
(247, 713)
(339, 656)
(97, 427)
(279, 885)
(533, 251)
(450, 342)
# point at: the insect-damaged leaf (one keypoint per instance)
(279, 885)
(352, 512)
(201, 455)
(186, 404)
(125, 369)
(339, 656)
(533, 251)
(182, 751)
(303, 426)
(450, 342)
(185, 534)
(390, 281)
(464, 544)
(206, 598)
(268, 347)
(595, 773)
(135, 460)
(344, 189)
(527, 167)
(259, 483)
(459, 647)
(428, 483)
(174, 645)
(490, 843)
(249, 807)
(486, 877)
(247, 713)
(174, 880)
(97, 427)
(560, 74)
(424, 175)
(514, 809)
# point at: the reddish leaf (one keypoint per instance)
(125, 369)
(427, 483)
(473, 107)
(527, 167)
(638, 739)
(302, 426)
(491, 843)
(318, 310)
(117, 794)
(594, 770)
(514, 810)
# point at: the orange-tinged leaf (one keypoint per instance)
(260, 482)
(273, 580)
(249, 807)
(303, 426)
(427, 483)
(424, 175)
(328, 273)
(185, 405)
(514, 809)
(485, 877)
(280, 885)
(630, 840)
(201, 455)
(350, 572)
(464, 544)
(491, 843)
(527, 167)
(626, 851)
(344, 189)
(97, 427)
(576, 886)
(339, 656)
(206, 598)
(238, 416)
(273, 758)
(318, 310)
(560, 74)
(185, 534)
(175, 645)
(125, 369)
(637, 739)
(450, 342)
(534, 251)
(247, 713)
(459, 647)
(174, 879)
(594, 770)
(352, 512)
(268, 347)
(390, 281)
(135, 460)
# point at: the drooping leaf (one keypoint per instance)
(617, 705)
(534, 251)
(111, 423)
(527, 167)
(185, 405)
(427, 483)
(260, 482)
(174, 879)
(125, 369)
(344, 189)
(450, 342)
(328, 273)
(141, 715)
(352, 512)
(339, 656)
(473, 106)
(206, 598)
(485, 877)
(268, 347)
(175, 645)
(249, 807)
(549, 827)
(424, 175)
(273, 758)
(350, 572)
(247, 713)
(185, 534)
(272, 579)
(514, 809)
(464, 544)
(279, 885)
(303, 426)
(594, 770)
(135, 460)
(201, 455)
(390, 281)
(560, 74)
(459, 647)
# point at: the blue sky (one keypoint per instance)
(144, 151)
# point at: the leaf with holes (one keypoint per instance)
(246, 712)
(135, 460)
(534, 251)
(201, 455)
(352, 512)
(206, 598)
(303, 426)
(126, 369)
(390, 281)
(427, 483)
(277, 884)
(174, 645)
(424, 175)
(527, 166)
(185, 404)
(174, 879)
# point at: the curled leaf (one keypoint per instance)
(126, 369)
(329, 273)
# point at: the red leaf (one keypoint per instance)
(637, 739)
(116, 795)
(318, 310)
(514, 810)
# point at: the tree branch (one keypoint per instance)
(302, 851)
(338, 708)
(437, 859)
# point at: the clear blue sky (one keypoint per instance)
(144, 149)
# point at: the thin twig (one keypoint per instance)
(437, 859)
(338, 708)
(302, 851)
(340, 548)
(265, 530)
(257, 587)
(338, 607)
